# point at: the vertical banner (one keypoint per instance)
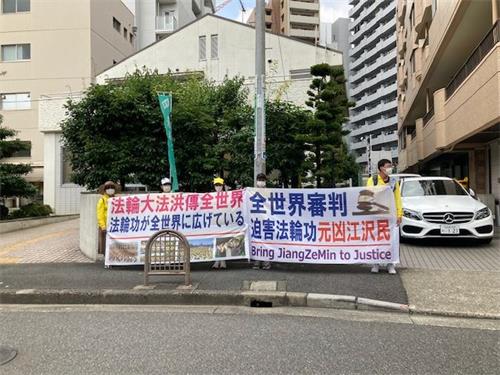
(336, 226)
(166, 109)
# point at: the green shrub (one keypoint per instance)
(31, 210)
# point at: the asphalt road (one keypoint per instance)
(161, 340)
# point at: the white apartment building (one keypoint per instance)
(49, 48)
(219, 47)
(373, 121)
(155, 19)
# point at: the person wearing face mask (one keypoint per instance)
(219, 186)
(108, 190)
(166, 185)
(385, 169)
(261, 182)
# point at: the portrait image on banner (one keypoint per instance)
(335, 226)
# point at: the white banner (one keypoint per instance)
(213, 223)
(336, 226)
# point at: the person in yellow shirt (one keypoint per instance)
(385, 169)
(108, 190)
(218, 187)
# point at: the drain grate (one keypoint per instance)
(7, 354)
(257, 303)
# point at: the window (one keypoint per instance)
(15, 52)
(117, 25)
(202, 47)
(419, 188)
(412, 61)
(214, 46)
(131, 38)
(15, 101)
(15, 6)
(412, 16)
(125, 32)
(66, 169)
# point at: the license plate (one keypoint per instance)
(450, 229)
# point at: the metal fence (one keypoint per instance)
(167, 253)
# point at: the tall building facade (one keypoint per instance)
(53, 47)
(296, 18)
(340, 35)
(155, 19)
(449, 90)
(372, 82)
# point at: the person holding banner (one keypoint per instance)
(382, 178)
(261, 183)
(166, 185)
(107, 191)
(218, 187)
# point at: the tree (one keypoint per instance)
(12, 183)
(285, 154)
(115, 131)
(324, 131)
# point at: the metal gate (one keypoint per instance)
(167, 253)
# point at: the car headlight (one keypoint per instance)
(483, 213)
(410, 214)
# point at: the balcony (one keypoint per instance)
(381, 123)
(301, 33)
(401, 10)
(423, 14)
(379, 93)
(375, 81)
(366, 27)
(166, 24)
(389, 105)
(304, 5)
(401, 42)
(371, 39)
(304, 20)
(381, 61)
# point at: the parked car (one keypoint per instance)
(401, 176)
(441, 207)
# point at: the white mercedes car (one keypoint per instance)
(441, 207)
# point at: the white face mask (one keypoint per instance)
(389, 170)
(261, 184)
(166, 188)
(218, 188)
(110, 191)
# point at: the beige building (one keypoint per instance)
(296, 18)
(54, 48)
(449, 90)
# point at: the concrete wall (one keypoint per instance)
(14, 225)
(88, 224)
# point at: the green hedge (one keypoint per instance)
(31, 210)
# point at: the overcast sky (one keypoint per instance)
(330, 9)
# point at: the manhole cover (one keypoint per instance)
(6, 354)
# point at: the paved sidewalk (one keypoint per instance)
(52, 243)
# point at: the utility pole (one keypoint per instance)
(260, 73)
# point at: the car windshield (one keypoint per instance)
(419, 188)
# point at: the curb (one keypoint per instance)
(195, 297)
(219, 297)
